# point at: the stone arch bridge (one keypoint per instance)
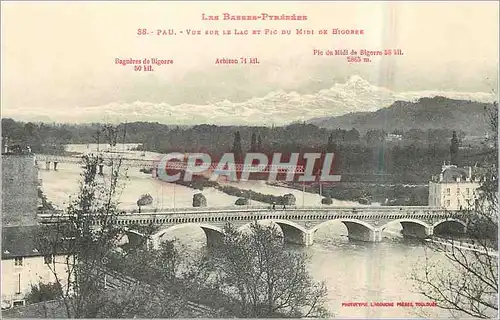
(298, 224)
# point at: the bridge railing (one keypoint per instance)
(181, 165)
(77, 159)
(250, 208)
(247, 208)
(46, 218)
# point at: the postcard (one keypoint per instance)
(249, 159)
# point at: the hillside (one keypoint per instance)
(426, 113)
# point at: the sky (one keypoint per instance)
(60, 57)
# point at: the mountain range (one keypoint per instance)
(276, 108)
(426, 113)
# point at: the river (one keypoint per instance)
(352, 271)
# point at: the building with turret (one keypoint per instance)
(454, 188)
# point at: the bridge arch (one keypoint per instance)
(356, 229)
(292, 232)
(415, 221)
(131, 237)
(449, 220)
(288, 223)
(213, 234)
(454, 225)
(412, 228)
(363, 223)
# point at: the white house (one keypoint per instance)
(455, 188)
(393, 137)
(23, 265)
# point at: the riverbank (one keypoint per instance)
(466, 245)
(385, 194)
(199, 183)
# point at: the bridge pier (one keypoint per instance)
(308, 238)
(298, 225)
(154, 242)
(429, 231)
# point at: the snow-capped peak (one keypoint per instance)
(276, 107)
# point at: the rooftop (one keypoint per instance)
(21, 241)
(17, 149)
(452, 173)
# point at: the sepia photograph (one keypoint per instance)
(254, 159)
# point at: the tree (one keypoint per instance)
(374, 136)
(352, 135)
(102, 279)
(144, 200)
(330, 146)
(339, 134)
(289, 199)
(470, 284)
(43, 292)
(238, 153)
(454, 149)
(259, 278)
(253, 145)
(164, 282)
(29, 128)
(199, 200)
(111, 134)
(491, 141)
(241, 202)
(326, 200)
(415, 135)
(85, 247)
